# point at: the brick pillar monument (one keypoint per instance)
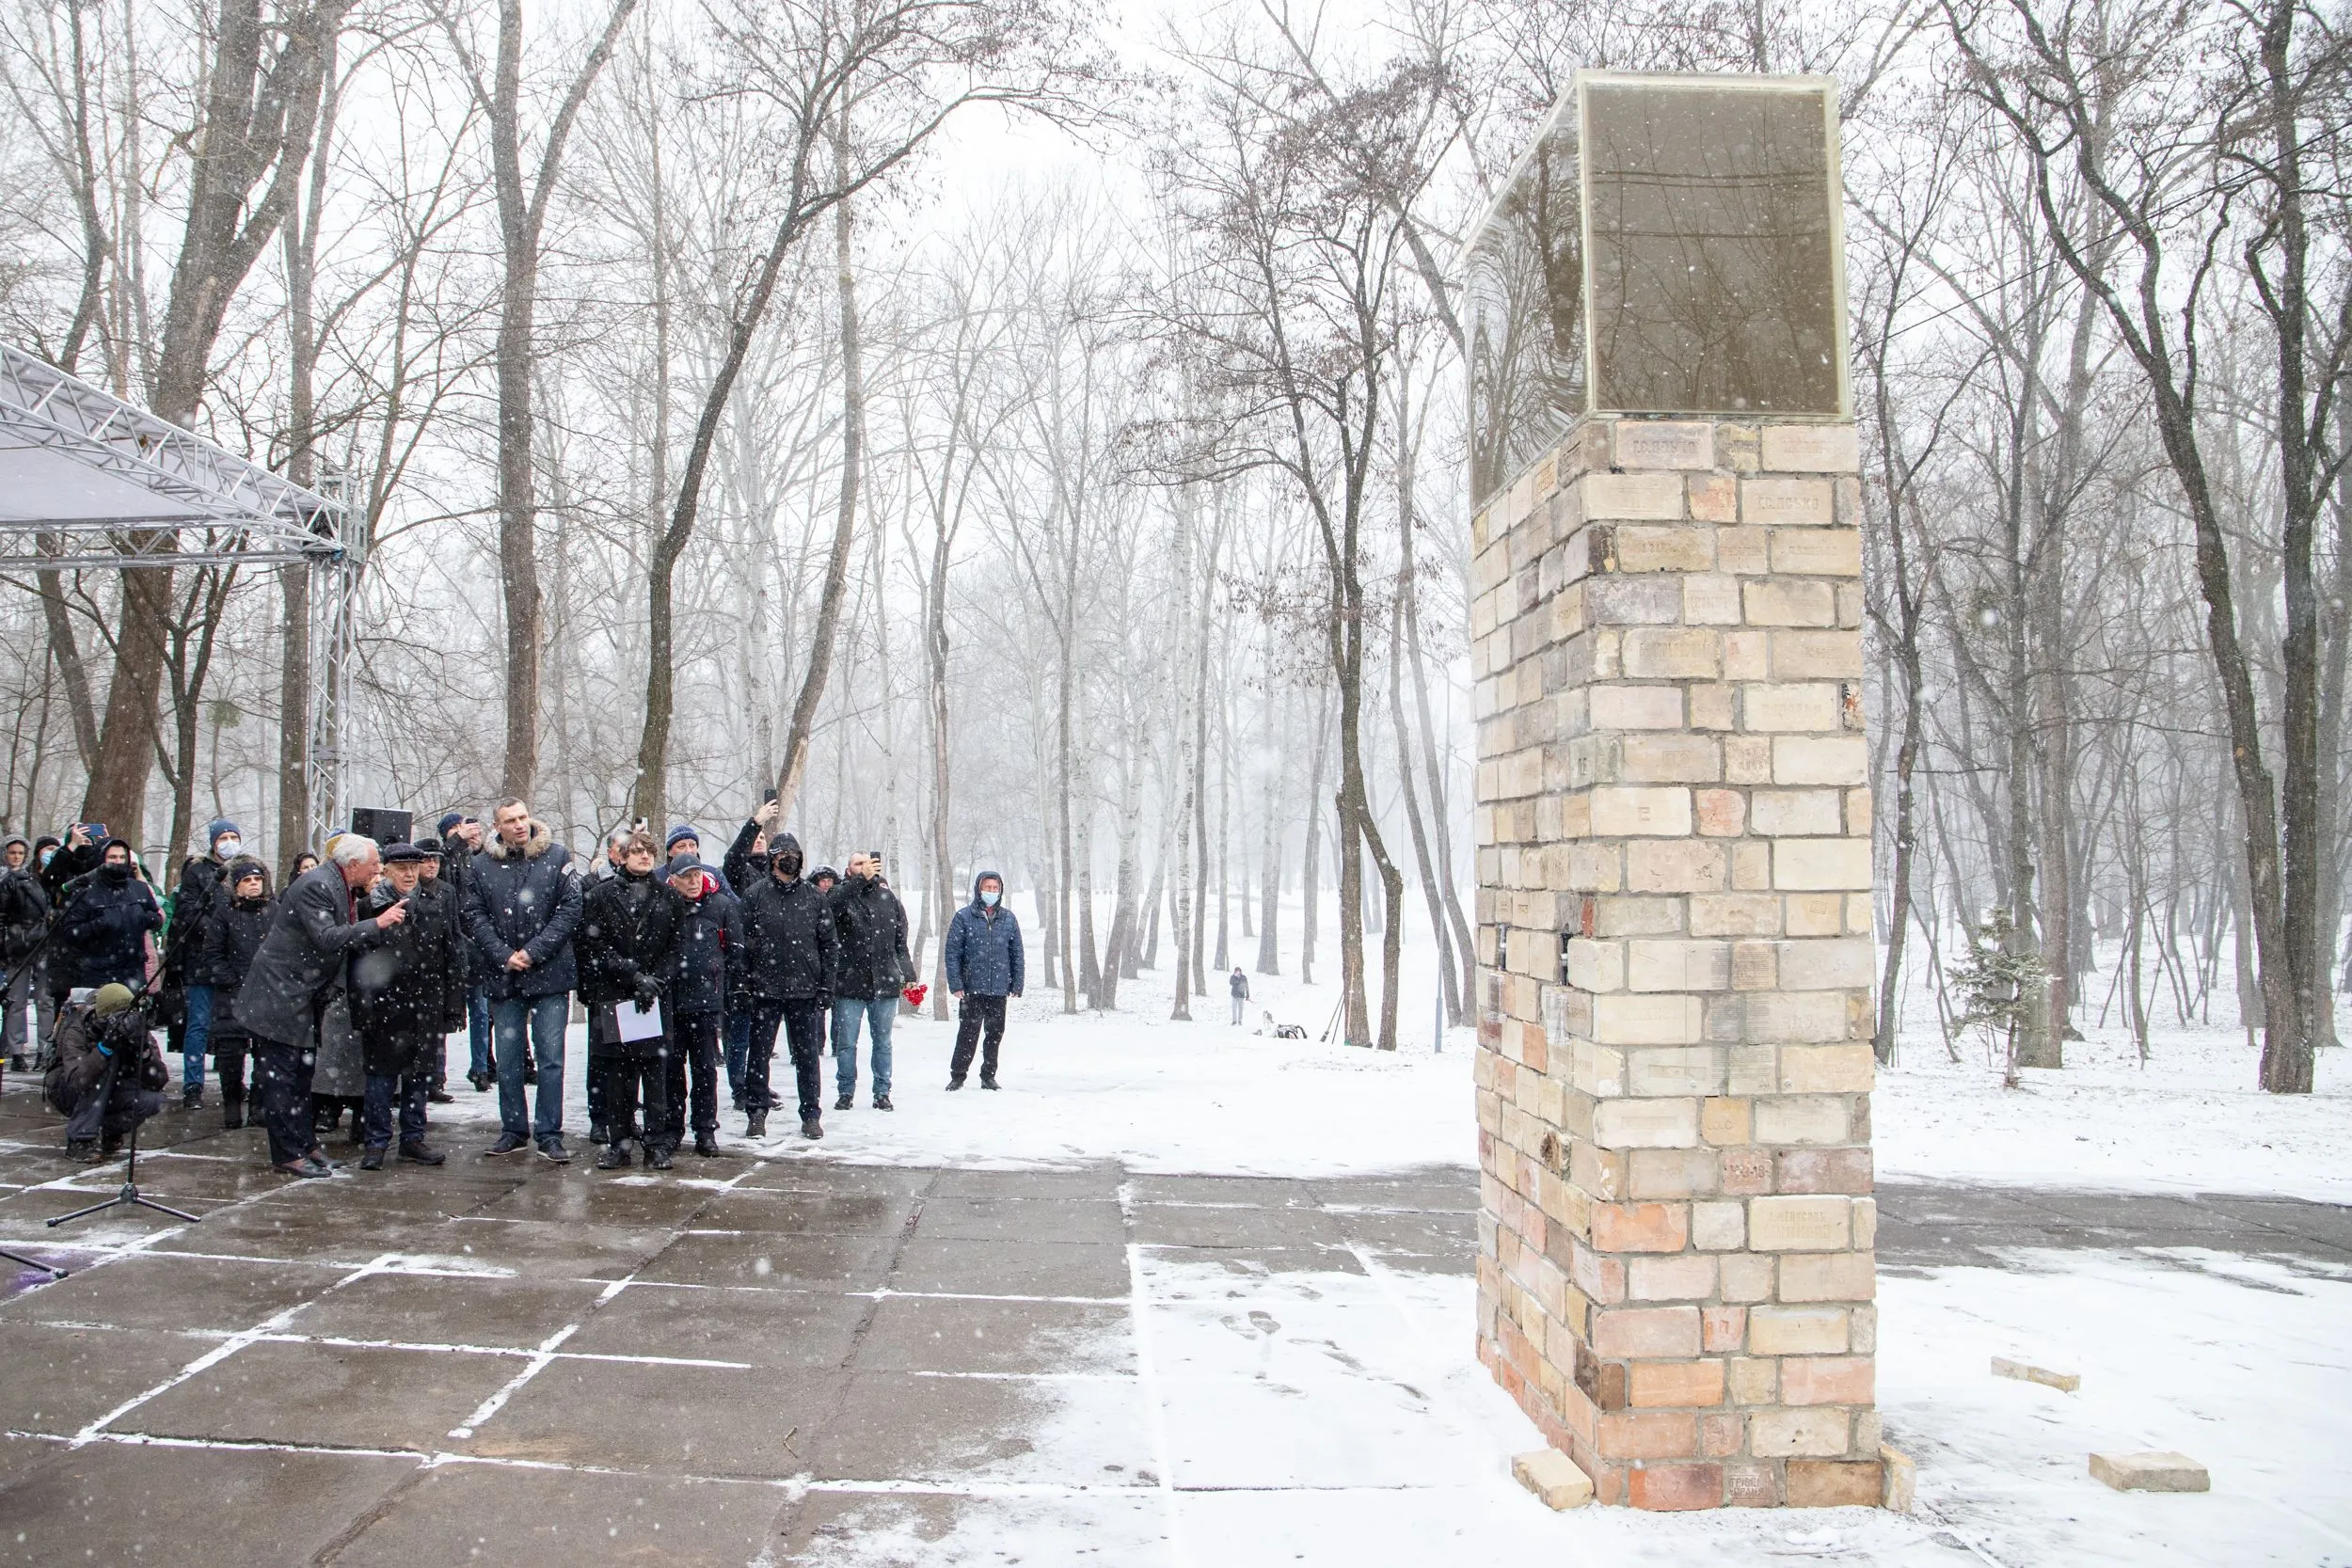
(1674, 1071)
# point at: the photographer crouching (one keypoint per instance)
(109, 1076)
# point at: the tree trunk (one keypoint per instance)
(1312, 876)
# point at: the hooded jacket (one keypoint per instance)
(194, 905)
(23, 911)
(231, 941)
(872, 925)
(103, 927)
(983, 951)
(745, 868)
(524, 900)
(707, 967)
(793, 950)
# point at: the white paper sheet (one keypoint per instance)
(638, 1023)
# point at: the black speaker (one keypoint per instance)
(381, 823)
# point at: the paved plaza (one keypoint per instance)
(788, 1358)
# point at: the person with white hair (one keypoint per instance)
(298, 974)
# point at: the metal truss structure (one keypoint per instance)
(88, 482)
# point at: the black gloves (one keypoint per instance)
(646, 992)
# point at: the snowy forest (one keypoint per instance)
(1031, 436)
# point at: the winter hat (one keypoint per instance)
(403, 854)
(218, 826)
(682, 865)
(431, 846)
(452, 819)
(244, 867)
(682, 830)
(824, 874)
(111, 999)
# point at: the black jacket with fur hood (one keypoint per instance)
(524, 900)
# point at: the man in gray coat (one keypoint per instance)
(295, 975)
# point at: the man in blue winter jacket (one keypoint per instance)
(523, 907)
(984, 967)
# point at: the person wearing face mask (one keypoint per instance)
(984, 965)
(791, 963)
(241, 918)
(23, 921)
(194, 905)
(101, 931)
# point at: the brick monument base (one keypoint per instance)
(1676, 1273)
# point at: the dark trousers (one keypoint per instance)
(630, 1080)
(410, 1089)
(974, 1013)
(229, 1061)
(282, 1079)
(803, 1020)
(694, 1043)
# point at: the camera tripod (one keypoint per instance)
(128, 1195)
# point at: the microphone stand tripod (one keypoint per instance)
(128, 1195)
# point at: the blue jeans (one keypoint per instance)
(478, 1031)
(877, 1012)
(546, 1016)
(198, 1036)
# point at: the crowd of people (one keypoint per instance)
(336, 994)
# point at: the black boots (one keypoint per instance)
(373, 1158)
(422, 1154)
(844, 1103)
(759, 1124)
(616, 1156)
(657, 1157)
(705, 1144)
(811, 1128)
(232, 1110)
(882, 1103)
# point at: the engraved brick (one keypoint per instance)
(1788, 602)
(1724, 1123)
(1799, 1224)
(1735, 914)
(1816, 914)
(1828, 1277)
(1743, 551)
(1819, 552)
(1721, 813)
(1842, 759)
(1787, 502)
(1833, 449)
(1647, 1331)
(1711, 599)
(1752, 1381)
(1797, 1432)
(1669, 1173)
(1801, 1119)
(1814, 1170)
(1816, 656)
(1782, 1017)
(1660, 549)
(1682, 965)
(1644, 1124)
(1821, 965)
(1675, 1488)
(1620, 812)
(1669, 758)
(1812, 865)
(1674, 866)
(1796, 1331)
(1672, 653)
(1677, 1384)
(1640, 1227)
(1639, 497)
(1796, 706)
(1747, 1171)
(1668, 443)
(1714, 498)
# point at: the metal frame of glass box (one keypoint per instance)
(1565, 383)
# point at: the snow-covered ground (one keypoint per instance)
(1363, 1432)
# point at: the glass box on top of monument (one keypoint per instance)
(1667, 244)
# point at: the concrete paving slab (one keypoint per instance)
(988, 1219)
(816, 1173)
(161, 1290)
(1254, 1192)
(964, 1430)
(773, 1260)
(538, 1250)
(59, 1380)
(119, 1503)
(536, 1518)
(327, 1395)
(1021, 1268)
(1229, 1433)
(826, 1530)
(19, 1455)
(959, 1334)
(444, 1310)
(318, 1231)
(587, 1197)
(1187, 1224)
(1411, 1231)
(1089, 1182)
(807, 1214)
(758, 1422)
(765, 1328)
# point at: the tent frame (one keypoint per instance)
(210, 508)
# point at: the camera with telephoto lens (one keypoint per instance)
(129, 1037)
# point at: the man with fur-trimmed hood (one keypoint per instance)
(523, 907)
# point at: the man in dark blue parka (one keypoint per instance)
(984, 968)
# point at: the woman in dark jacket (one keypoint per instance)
(242, 910)
(628, 931)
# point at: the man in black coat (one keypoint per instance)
(628, 932)
(792, 962)
(433, 887)
(461, 840)
(872, 925)
(193, 901)
(402, 993)
(240, 919)
(23, 921)
(296, 973)
(707, 971)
